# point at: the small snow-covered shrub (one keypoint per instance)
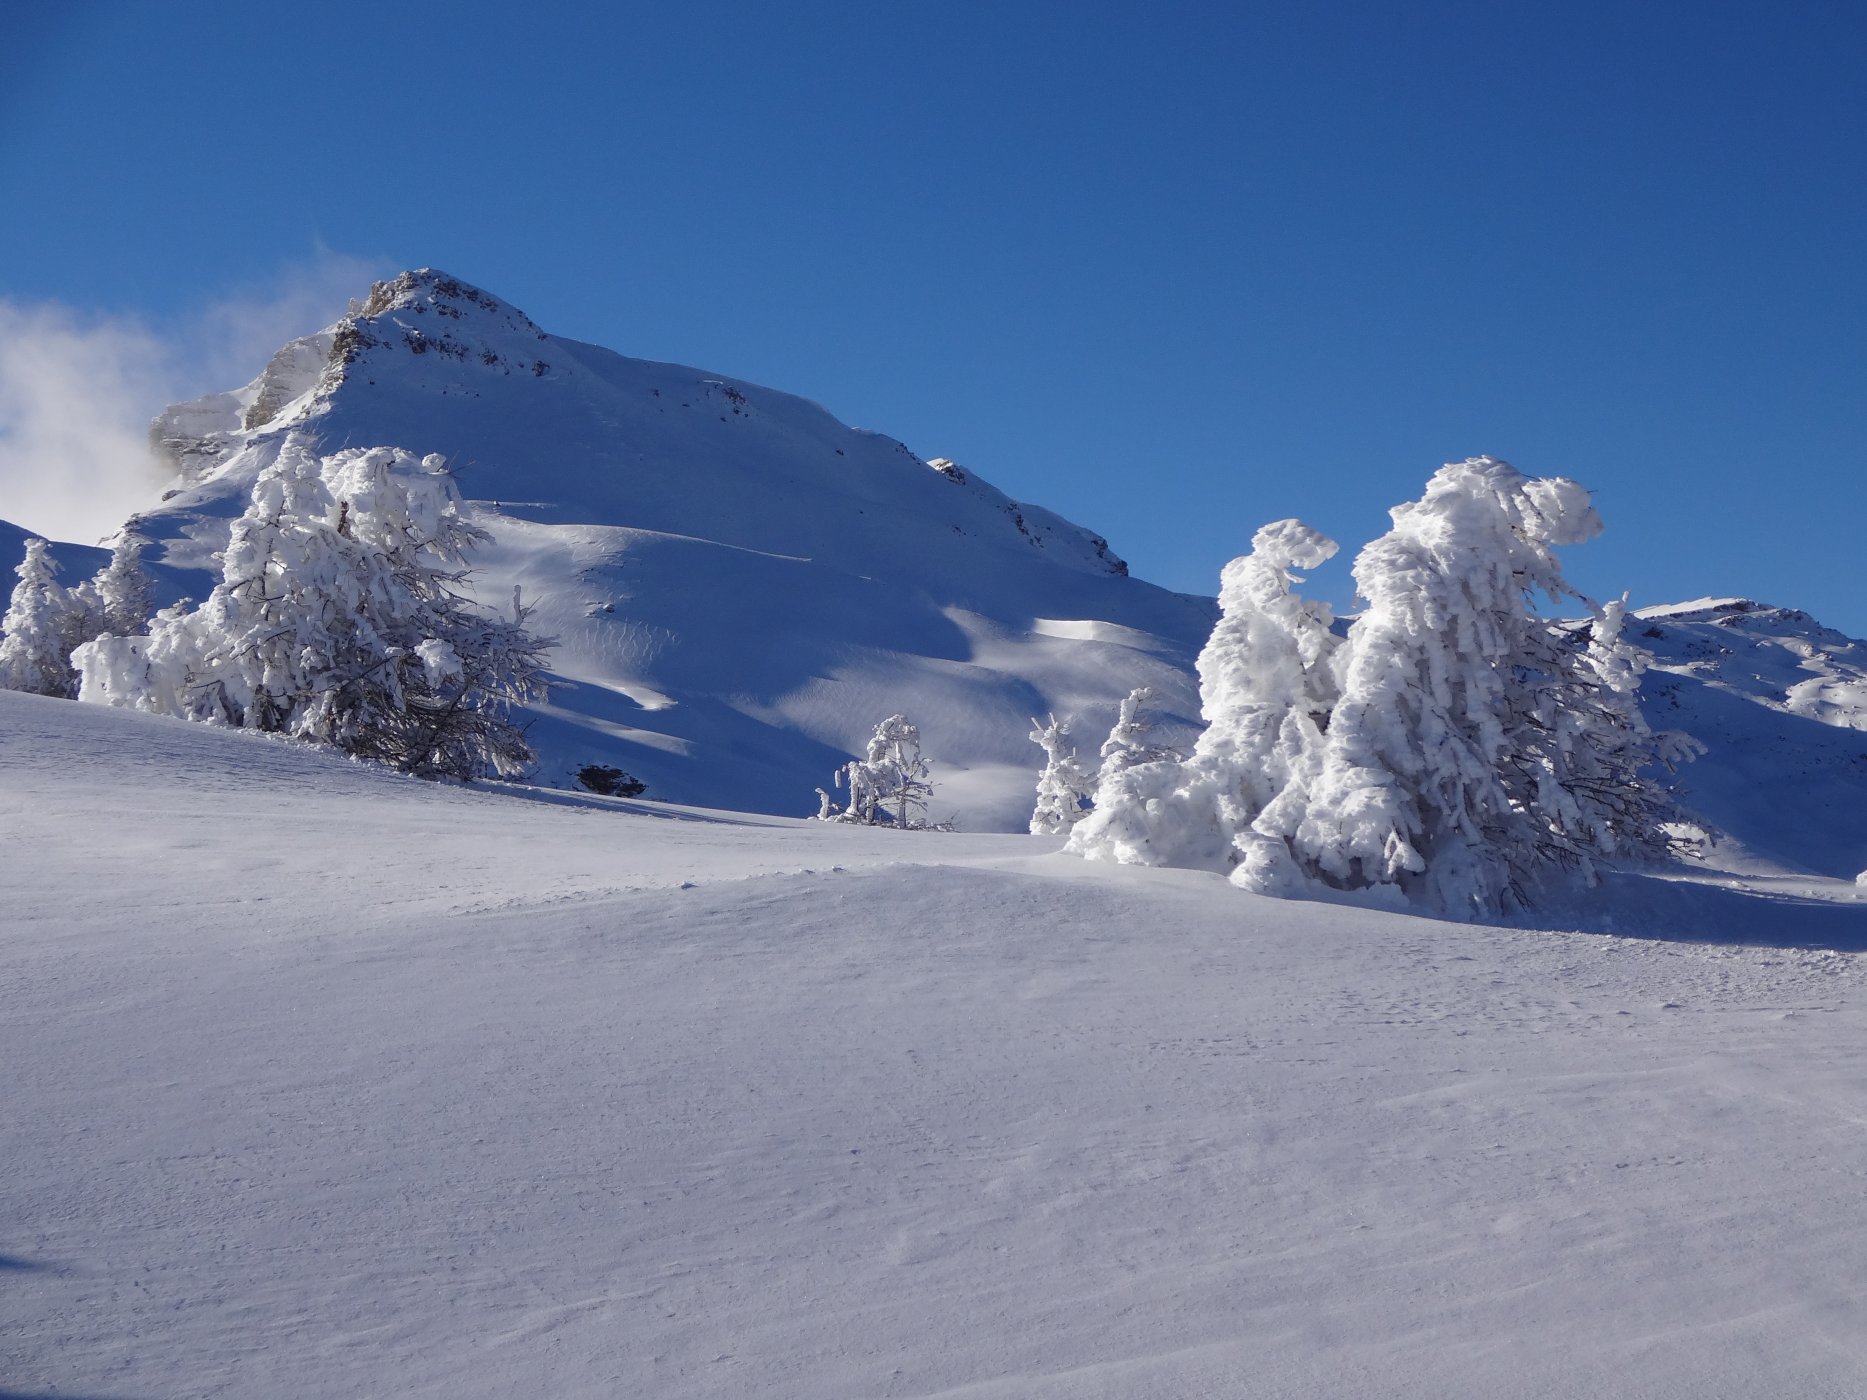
(887, 786)
(605, 781)
(1064, 787)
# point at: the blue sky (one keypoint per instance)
(1172, 270)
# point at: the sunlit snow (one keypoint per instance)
(327, 1082)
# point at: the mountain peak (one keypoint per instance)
(425, 289)
(426, 310)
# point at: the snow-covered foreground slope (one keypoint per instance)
(741, 586)
(322, 1082)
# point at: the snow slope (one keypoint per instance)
(327, 1082)
(741, 586)
(1780, 702)
(76, 562)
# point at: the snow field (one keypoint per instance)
(326, 1082)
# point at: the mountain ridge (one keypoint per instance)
(742, 586)
(776, 580)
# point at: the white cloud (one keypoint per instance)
(230, 342)
(76, 396)
(77, 389)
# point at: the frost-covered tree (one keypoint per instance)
(84, 616)
(1456, 748)
(1453, 768)
(46, 623)
(126, 595)
(338, 620)
(1266, 687)
(1127, 744)
(888, 786)
(1065, 786)
(36, 635)
(1596, 789)
(1133, 816)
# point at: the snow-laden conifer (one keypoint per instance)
(1128, 744)
(1064, 787)
(888, 786)
(37, 634)
(1456, 749)
(1265, 688)
(85, 616)
(1446, 756)
(337, 619)
(1596, 790)
(125, 592)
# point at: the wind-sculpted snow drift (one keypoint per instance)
(740, 586)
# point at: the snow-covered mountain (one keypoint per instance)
(740, 585)
(1780, 702)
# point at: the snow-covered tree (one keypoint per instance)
(1127, 744)
(1596, 792)
(888, 786)
(36, 635)
(1135, 816)
(1451, 768)
(1456, 748)
(1065, 786)
(337, 620)
(125, 592)
(1266, 687)
(84, 616)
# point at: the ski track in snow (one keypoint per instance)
(323, 1082)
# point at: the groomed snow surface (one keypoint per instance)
(324, 1082)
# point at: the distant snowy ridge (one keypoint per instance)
(1780, 657)
(1781, 702)
(741, 586)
